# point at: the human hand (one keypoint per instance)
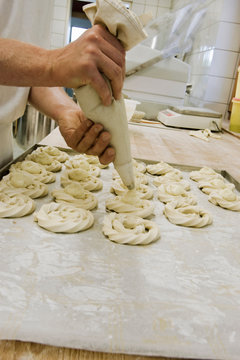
(84, 61)
(84, 136)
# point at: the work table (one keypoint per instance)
(149, 143)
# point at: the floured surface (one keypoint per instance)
(176, 297)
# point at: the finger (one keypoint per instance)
(108, 156)
(89, 138)
(101, 144)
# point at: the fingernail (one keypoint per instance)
(106, 137)
(111, 152)
(89, 123)
(98, 128)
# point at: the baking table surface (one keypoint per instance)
(150, 143)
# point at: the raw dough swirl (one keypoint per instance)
(74, 194)
(130, 203)
(204, 174)
(46, 160)
(15, 205)
(139, 166)
(54, 152)
(88, 182)
(74, 163)
(214, 184)
(91, 159)
(63, 218)
(170, 177)
(162, 168)
(186, 215)
(174, 191)
(144, 191)
(139, 177)
(38, 171)
(130, 229)
(20, 182)
(225, 198)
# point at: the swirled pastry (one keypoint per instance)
(170, 177)
(139, 177)
(63, 218)
(174, 191)
(205, 173)
(130, 203)
(139, 166)
(214, 184)
(54, 152)
(23, 183)
(46, 160)
(225, 198)
(91, 159)
(38, 171)
(74, 163)
(74, 194)
(130, 229)
(162, 168)
(188, 215)
(88, 182)
(15, 205)
(144, 191)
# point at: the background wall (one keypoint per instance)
(216, 51)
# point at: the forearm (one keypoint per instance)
(52, 101)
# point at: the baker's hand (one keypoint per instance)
(84, 61)
(86, 137)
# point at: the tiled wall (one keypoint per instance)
(60, 23)
(155, 7)
(215, 55)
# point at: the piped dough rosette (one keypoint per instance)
(88, 182)
(139, 166)
(204, 174)
(144, 191)
(23, 183)
(130, 229)
(74, 194)
(180, 213)
(54, 152)
(170, 177)
(175, 191)
(91, 159)
(214, 184)
(162, 168)
(130, 203)
(38, 171)
(139, 177)
(225, 198)
(46, 160)
(15, 205)
(73, 163)
(62, 218)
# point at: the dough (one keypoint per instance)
(205, 173)
(170, 177)
(15, 205)
(162, 168)
(139, 166)
(144, 191)
(74, 163)
(91, 159)
(130, 229)
(139, 177)
(130, 203)
(88, 182)
(20, 182)
(214, 184)
(74, 194)
(174, 191)
(38, 171)
(46, 160)
(177, 212)
(63, 218)
(54, 152)
(225, 198)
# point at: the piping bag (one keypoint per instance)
(128, 28)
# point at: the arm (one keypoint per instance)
(80, 62)
(79, 133)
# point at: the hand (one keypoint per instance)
(86, 137)
(84, 61)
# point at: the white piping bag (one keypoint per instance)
(126, 26)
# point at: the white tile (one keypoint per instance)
(151, 9)
(200, 62)
(228, 36)
(138, 8)
(164, 3)
(162, 11)
(58, 26)
(61, 3)
(139, 2)
(231, 11)
(223, 63)
(59, 13)
(57, 40)
(218, 89)
(205, 39)
(151, 2)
